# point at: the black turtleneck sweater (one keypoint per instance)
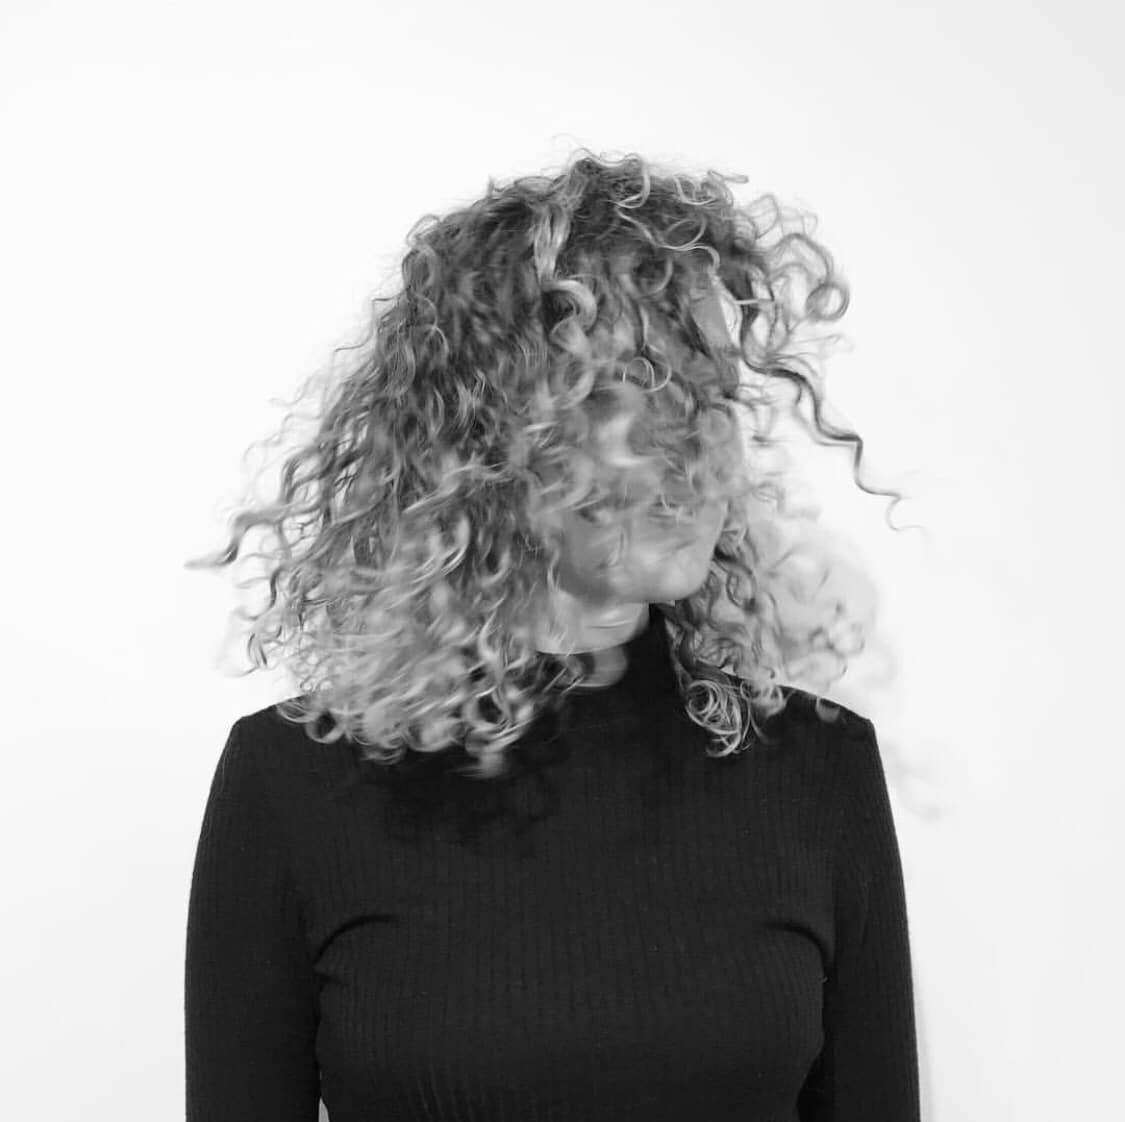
(622, 929)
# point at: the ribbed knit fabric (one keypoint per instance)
(624, 929)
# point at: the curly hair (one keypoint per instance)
(541, 350)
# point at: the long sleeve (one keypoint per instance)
(868, 1068)
(249, 992)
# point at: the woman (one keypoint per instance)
(544, 838)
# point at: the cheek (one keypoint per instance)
(708, 527)
(586, 551)
(590, 547)
(669, 567)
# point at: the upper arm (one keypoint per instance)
(249, 990)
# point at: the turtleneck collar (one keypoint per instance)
(645, 677)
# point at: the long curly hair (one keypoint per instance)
(542, 356)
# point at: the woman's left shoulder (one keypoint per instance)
(824, 735)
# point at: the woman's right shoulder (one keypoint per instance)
(267, 741)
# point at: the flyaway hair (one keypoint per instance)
(540, 356)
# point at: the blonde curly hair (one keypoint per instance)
(414, 532)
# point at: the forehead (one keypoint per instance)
(717, 312)
(713, 308)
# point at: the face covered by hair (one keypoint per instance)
(611, 570)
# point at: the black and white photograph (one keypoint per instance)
(563, 561)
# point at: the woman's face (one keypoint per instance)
(662, 559)
(657, 560)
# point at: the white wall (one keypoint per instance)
(198, 201)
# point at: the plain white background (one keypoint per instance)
(197, 203)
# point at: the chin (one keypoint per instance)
(684, 584)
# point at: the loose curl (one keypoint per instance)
(542, 348)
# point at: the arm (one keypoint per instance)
(868, 1068)
(249, 991)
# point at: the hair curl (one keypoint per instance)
(414, 530)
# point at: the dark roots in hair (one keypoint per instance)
(413, 534)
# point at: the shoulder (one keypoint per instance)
(840, 756)
(823, 737)
(280, 758)
(817, 722)
(266, 726)
(267, 732)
